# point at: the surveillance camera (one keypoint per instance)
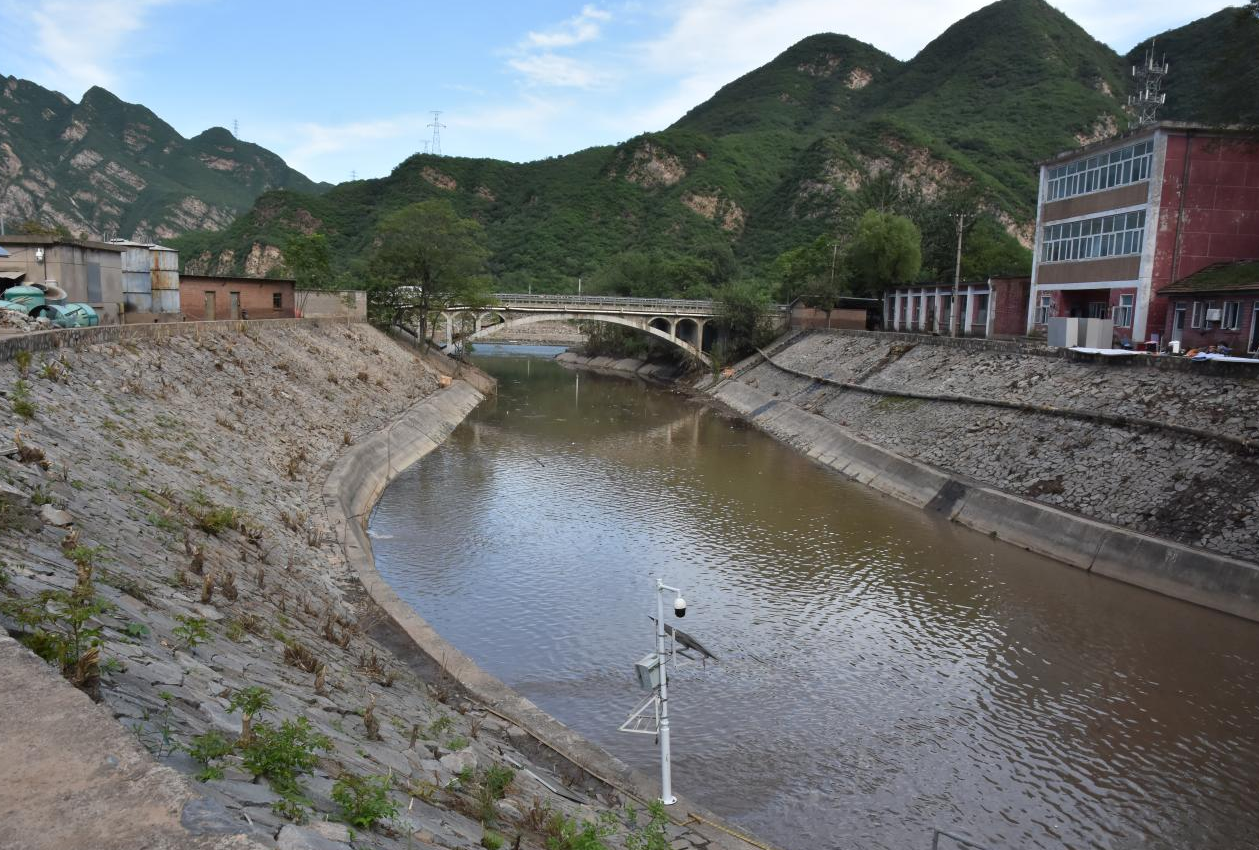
(679, 607)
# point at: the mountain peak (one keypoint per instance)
(822, 70)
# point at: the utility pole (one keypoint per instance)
(955, 320)
(834, 260)
(579, 284)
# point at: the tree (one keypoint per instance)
(308, 260)
(812, 272)
(741, 309)
(886, 249)
(427, 258)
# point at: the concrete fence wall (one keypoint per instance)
(80, 337)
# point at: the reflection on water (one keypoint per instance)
(881, 672)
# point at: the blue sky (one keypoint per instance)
(337, 88)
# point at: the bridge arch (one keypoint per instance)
(637, 324)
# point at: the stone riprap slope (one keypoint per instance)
(1195, 491)
(184, 474)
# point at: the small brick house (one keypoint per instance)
(205, 298)
(1217, 305)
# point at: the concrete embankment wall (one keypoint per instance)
(1024, 457)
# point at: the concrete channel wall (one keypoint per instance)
(1208, 578)
(78, 337)
(352, 489)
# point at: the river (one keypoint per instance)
(881, 672)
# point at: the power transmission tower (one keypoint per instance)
(437, 133)
(235, 128)
(1148, 99)
(353, 175)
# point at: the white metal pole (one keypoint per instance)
(666, 778)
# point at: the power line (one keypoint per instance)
(437, 126)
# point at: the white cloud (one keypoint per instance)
(579, 29)
(550, 69)
(538, 60)
(77, 44)
(318, 140)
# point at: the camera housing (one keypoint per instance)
(679, 607)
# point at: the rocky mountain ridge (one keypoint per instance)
(103, 167)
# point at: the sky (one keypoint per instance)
(342, 90)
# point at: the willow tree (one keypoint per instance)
(427, 258)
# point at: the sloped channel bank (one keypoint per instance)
(175, 476)
(1168, 511)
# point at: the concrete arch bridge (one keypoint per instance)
(688, 324)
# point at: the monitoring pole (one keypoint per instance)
(666, 771)
(955, 319)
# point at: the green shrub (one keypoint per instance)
(192, 631)
(216, 520)
(652, 835)
(207, 749)
(457, 743)
(498, 779)
(492, 840)
(563, 833)
(22, 404)
(364, 800)
(284, 754)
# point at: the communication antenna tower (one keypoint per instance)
(437, 133)
(1149, 77)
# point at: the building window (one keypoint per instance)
(94, 283)
(276, 300)
(1232, 316)
(1199, 314)
(1045, 310)
(1097, 309)
(1123, 312)
(1105, 236)
(1103, 171)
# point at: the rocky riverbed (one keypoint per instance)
(163, 538)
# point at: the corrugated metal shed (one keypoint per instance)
(150, 277)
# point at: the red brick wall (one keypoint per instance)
(1211, 217)
(1238, 340)
(256, 297)
(1009, 301)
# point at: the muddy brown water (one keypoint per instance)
(882, 673)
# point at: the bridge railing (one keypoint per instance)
(664, 306)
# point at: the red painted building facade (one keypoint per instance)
(1121, 220)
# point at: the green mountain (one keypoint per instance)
(787, 154)
(109, 168)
